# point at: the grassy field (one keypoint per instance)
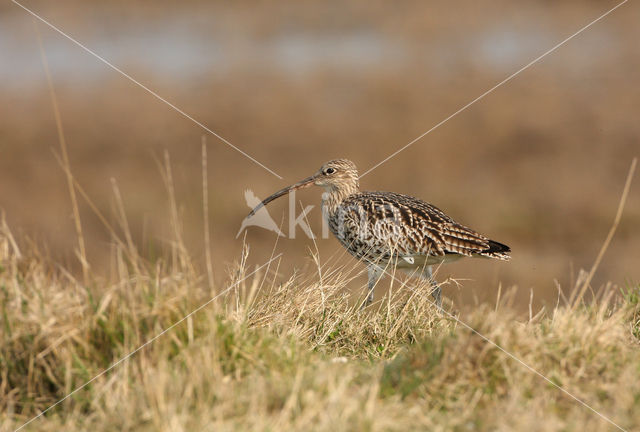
(115, 315)
(294, 352)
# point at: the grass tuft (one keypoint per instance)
(298, 354)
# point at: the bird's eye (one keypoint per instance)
(329, 171)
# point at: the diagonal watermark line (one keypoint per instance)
(504, 81)
(153, 93)
(150, 341)
(514, 357)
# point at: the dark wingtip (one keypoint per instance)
(495, 247)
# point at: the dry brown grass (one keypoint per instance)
(278, 353)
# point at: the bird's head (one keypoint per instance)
(338, 175)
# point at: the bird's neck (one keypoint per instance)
(333, 197)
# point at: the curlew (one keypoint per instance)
(386, 228)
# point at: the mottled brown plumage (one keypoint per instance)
(383, 228)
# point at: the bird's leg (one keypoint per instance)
(374, 273)
(436, 291)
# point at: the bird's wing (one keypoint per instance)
(413, 227)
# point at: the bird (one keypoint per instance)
(387, 228)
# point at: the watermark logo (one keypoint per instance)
(261, 219)
(350, 221)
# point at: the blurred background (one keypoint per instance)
(538, 164)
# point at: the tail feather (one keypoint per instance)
(497, 250)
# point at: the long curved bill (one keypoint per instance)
(300, 185)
